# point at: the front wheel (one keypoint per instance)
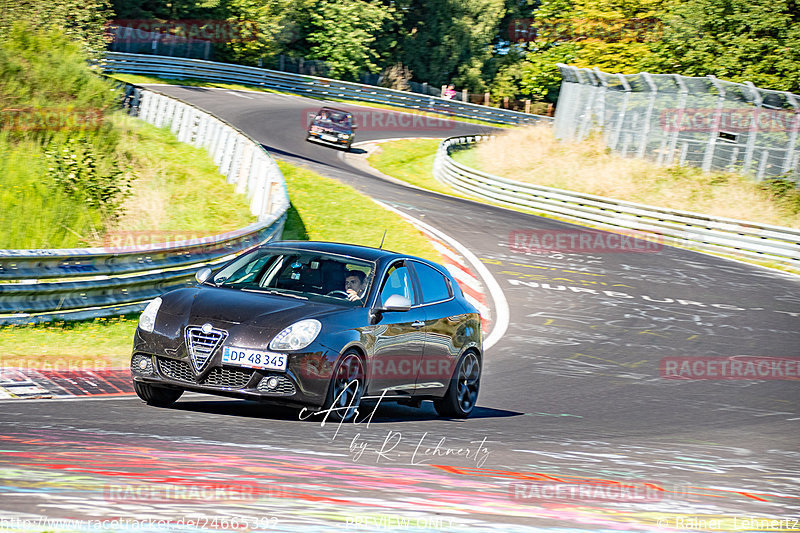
(156, 396)
(346, 388)
(462, 394)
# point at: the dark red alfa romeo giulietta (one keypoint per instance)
(316, 325)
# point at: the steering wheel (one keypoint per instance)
(334, 293)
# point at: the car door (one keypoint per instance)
(443, 316)
(398, 339)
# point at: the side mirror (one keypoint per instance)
(395, 303)
(354, 126)
(202, 275)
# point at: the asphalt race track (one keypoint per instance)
(578, 426)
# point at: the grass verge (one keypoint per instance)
(322, 209)
(533, 155)
(396, 158)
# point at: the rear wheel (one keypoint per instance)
(156, 396)
(346, 388)
(462, 395)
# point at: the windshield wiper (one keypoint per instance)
(267, 291)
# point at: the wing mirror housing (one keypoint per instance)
(393, 304)
(202, 275)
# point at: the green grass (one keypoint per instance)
(412, 161)
(138, 79)
(332, 211)
(99, 343)
(34, 213)
(322, 209)
(178, 188)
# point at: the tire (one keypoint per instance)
(156, 396)
(462, 394)
(343, 392)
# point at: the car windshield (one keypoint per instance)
(336, 117)
(300, 274)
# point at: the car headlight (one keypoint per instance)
(147, 321)
(344, 135)
(297, 336)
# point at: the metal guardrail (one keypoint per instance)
(714, 234)
(180, 68)
(75, 284)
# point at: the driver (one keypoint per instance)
(354, 284)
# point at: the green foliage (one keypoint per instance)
(266, 28)
(784, 192)
(83, 21)
(449, 41)
(76, 167)
(736, 40)
(540, 77)
(342, 34)
(60, 180)
(46, 69)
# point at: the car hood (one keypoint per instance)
(230, 306)
(333, 127)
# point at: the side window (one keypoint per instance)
(434, 285)
(397, 281)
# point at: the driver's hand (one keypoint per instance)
(352, 295)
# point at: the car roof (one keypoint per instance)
(354, 250)
(333, 109)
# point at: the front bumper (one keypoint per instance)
(329, 138)
(304, 382)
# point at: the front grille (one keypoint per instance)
(228, 377)
(285, 387)
(174, 369)
(201, 343)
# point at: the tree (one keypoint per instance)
(449, 41)
(343, 33)
(736, 40)
(83, 21)
(262, 26)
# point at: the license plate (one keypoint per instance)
(330, 138)
(254, 358)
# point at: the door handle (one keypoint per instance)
(418, 324)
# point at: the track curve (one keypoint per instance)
(572, 397)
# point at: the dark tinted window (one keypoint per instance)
(397, 281)
(434, 286)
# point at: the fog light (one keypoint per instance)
(272, 382)
(142, 364)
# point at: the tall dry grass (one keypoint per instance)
(533, 155)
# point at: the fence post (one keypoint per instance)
(673, 143)
(464, 95)
(651, 101)
(751, 139)
(621, 120)
(790, 148)
(485, 98)
(527, 106)
(708, 157)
